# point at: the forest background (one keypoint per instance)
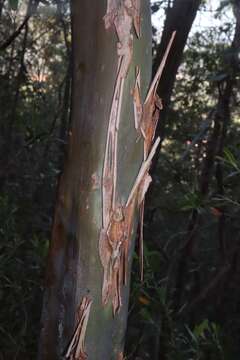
(188, 306)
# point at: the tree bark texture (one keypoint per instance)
(81, 319)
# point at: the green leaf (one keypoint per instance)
(13, 4)
(201, 328)
(145, 314)
(192, 335)
(191, 200)
(229, 157)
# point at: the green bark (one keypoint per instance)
(74, 267)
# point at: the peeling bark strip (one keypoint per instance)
(117, 226)
(143, 179)
(114, 10)
(76, 347)
(123, 15)
(120, 356)
(146, 117)
(153, 104)
(137, 103)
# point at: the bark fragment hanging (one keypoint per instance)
(143, 178)
(153, 104)
(146, 117)
(76, 348)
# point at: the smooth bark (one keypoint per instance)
(74, 267)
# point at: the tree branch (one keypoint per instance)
(32, 7)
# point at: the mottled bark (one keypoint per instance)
(75, 272)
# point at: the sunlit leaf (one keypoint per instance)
(200, 329)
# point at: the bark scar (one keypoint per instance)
(76, 348)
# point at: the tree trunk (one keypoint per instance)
(179, 18)
(87, 286)
(1, 7)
